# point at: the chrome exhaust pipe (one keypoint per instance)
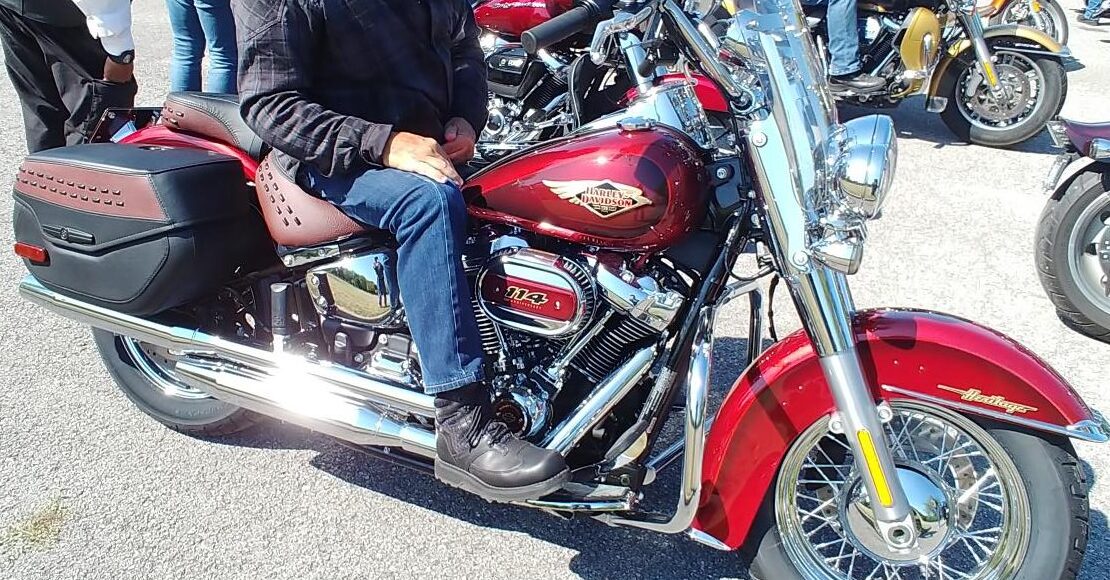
(192, 342)
(306, 401)
(332, 399)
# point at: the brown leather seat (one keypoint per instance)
(295, 217)
(212, 115)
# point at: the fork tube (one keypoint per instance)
(974, 28)
(825, 304)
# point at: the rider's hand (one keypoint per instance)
(460, 138)
(416, 154)
(115, 72)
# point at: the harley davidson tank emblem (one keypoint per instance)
(977, 396)
(604, 198)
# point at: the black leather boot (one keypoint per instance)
(856, 83)
(479, 454)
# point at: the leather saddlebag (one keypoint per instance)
(137, 229)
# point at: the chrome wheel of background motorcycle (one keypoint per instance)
(1049, 19)
(968, 502)
(1021, 83)
(1089, 252)
(155, 364)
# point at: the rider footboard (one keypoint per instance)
(135, 229)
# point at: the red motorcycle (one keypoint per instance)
(889, 443)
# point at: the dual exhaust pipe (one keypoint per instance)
(332, 399)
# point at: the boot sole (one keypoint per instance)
(463, 480)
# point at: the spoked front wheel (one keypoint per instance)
(988, 501)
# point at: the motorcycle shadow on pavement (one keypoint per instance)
(602, 552)
(912, 121)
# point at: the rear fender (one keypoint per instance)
(163, 137)
(1010, 36)
(1072, 172)
(906, 354)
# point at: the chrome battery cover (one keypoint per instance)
(360, 290)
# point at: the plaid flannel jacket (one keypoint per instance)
(325, 81)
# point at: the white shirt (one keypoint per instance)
(110, 21)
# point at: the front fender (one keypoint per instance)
(906, 354)
(1011, 36)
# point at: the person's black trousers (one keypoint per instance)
(57, 72)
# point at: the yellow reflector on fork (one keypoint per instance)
(867, 447)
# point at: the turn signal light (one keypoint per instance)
(33, 254)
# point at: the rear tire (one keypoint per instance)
(149, 384)
(1054, 231)
(1055, 487)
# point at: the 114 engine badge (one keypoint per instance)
(604, 198)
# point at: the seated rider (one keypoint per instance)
(370, 104)
(845, 72)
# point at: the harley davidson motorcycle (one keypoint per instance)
(1073, 235)
(997, 86)
(888, 443)
(1044, 15)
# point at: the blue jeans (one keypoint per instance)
(429, 221)
(842, 22)
(198, 24)
(1094, 8)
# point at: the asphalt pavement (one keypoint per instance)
(92, 488)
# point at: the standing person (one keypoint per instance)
(68, 62)
(198, 24)
(369, 104)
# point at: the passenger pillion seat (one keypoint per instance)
(295, 217)
(212, 115)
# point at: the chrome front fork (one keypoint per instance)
(973, 26)
(825, 303)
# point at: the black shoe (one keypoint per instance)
(1089, 21)
(478, 454)
(857, 83)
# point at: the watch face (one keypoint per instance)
(125, 57)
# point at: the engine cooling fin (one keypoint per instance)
(611, 347)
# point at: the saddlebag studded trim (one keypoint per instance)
(137, 229)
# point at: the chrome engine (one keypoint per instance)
(546, 320)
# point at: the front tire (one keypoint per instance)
(1073, 267)
(145, 375)
(1036, 88)
(1038, 496)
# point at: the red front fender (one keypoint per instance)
(906, 354)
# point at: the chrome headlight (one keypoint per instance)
(865, 171)
(861, 161)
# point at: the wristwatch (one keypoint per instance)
(125, 57)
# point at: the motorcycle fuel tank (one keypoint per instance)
(615, 189)
(513, 17)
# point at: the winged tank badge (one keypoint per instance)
(604, 198)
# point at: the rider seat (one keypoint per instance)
(212, 115)
(295, 217)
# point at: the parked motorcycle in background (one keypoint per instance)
(997, 86)
(1073, 235)
(888, 443)
(1044, 15)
